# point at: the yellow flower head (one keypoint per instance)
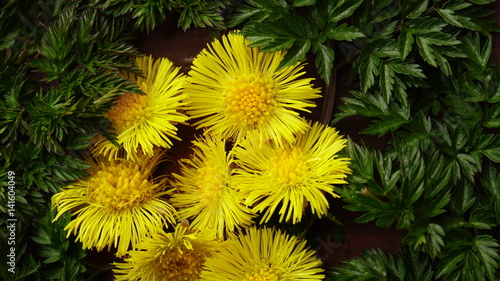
(235, 89)
(263, 255)
(147, 121)
(117, 205)
(204, 189)
(292, 176)
(173, 256)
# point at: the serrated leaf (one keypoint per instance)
(344, 32)
(490, 147)
(368, 69)
(471, 46)
(469, 165)
(405, 41)
(406, 68)
(443, 64)
(372, 265)
(482, 218)
(426, 25)
(414, 8)
(343, 9)
(42, 238)
(385, 48)
(463, 199)
(271, 46)
(300, 26)
(485, 247)
(450, 17)
(386, 81)
(324, 56)
(491, 181)
(449, 263)
(441, 39)
(385, 124)
(301, 3)
(426, 51)
(295, 53)
(242, 13)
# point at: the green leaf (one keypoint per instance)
(368, 69)
(344, 32)
(450, 17)
(413, 8)
(372, 265)
(462, 199)
(485, 247)
(301, 3)
(295, 53)
(426, 51)
(406, 68)
(489, 146)
(426, 26)
(386, 80)
(405, 41)
(469, 165)
(274, 45)
(387, 123)
(343, 9)
(270, 36)
(470, 258)
(300, 26)
(435, 238)
(324, 56)
(471, 46)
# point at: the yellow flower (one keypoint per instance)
(173, 256)
(204, 189)
(235, 89)
(263, 255)
(147, 121)
(117, 205)
(293, 176)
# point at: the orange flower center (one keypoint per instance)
(265, 273)
(177, 266)
(249, 99)
(210, 183)
(288, 166)
(120, 186)
(130, 109)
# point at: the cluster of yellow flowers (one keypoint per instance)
(257, 155)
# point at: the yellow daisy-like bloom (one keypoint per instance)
(117, 205)
(294, 176)
(147, 121)
(235, 89)
(173, 256)
(204, 189)
(263, 255)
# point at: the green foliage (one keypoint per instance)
(59, 75)
(376, 265)
(60, 256)
(420, 72)
(146, 14)
(299, 27)
(428, 81)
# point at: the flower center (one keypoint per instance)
(129, 109)
(288, 166)
(120, 186)
(249, 99)
(210, 182)
(185, 266)
(265, 273)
